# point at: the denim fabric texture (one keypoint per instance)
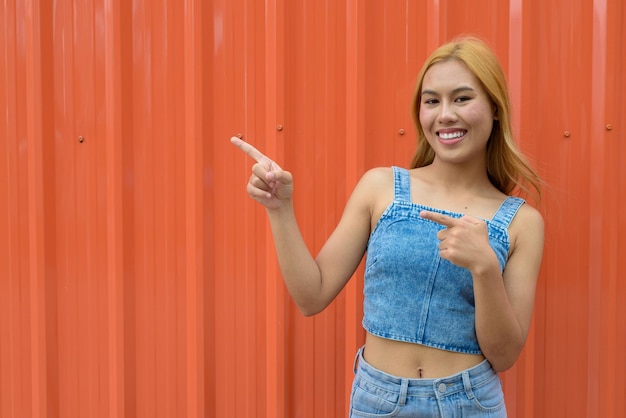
(475, 392)
(410, 293)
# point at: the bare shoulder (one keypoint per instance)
(379, 176)
(375, 182)
(528, 216)
(375, 190)
(527, 228)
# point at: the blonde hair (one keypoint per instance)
(507, 167)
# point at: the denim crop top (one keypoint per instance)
(410, 293)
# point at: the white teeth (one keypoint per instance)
(451, 135)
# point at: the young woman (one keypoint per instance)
(452, 259)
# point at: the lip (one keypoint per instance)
(451, 141)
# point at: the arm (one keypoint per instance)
(312, 283)
(504, 302)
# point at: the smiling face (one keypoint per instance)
(455, 112)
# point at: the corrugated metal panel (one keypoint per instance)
(137, 278)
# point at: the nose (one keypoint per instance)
(447, 113)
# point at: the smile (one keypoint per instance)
(451, 135)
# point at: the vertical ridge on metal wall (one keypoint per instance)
(193, 133)
(272, 60)
(34, 162)
(113, 34)
(353, 165)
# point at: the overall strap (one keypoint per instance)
(402, 184)
(507, 211)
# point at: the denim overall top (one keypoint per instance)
(410, 293)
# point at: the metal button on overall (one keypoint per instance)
(442, 387)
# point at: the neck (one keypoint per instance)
(461, 178)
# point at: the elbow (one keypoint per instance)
(502, 365)
(503, 359)
(309, 310)
(311, 305)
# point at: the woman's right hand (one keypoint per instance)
(269, 184)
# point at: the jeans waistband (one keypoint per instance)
(438, 387)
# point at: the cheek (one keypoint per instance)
(480, 116)
(426, 117)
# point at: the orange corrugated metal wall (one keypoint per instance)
(138, 280)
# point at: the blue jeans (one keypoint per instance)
(475, 392)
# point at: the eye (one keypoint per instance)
(431, 101)
(462, 99)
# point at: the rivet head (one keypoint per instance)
(81, 139)
(566, 134)
(279, 127)
(401, 131)
(609, 126)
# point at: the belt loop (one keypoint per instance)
(356, 358)
(404, 388)
(468, 385)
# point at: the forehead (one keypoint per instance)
(448, 75)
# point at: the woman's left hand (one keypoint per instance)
(464, 241)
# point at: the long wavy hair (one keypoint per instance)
(507, 168)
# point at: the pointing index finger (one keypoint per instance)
(252, 152)
(440, 218)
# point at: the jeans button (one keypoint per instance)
(442, 387)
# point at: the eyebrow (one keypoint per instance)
(455, 91)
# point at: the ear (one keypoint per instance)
(495, 113)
